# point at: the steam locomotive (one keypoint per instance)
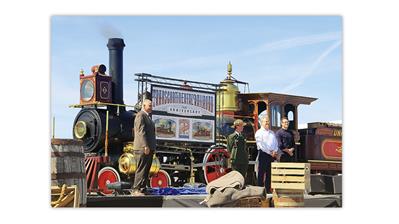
(193, 120)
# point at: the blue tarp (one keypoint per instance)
(177, 191)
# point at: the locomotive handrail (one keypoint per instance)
(173, 79)
(99, 104)
(174, 84)
(148, 78)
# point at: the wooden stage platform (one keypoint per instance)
(192, 201)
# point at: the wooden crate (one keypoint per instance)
(290, 176)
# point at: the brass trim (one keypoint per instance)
(76, 132)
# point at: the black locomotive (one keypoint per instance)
(106, 127)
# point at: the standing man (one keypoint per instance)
(266, 143)
(145, 144)
(286, 141)
(236, 145)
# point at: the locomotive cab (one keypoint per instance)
(251, 107)
(275, 106)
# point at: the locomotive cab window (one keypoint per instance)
(276, 115)
(261, 107)
(290, 114)
(251, 108)
(290, 117)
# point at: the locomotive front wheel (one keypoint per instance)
(215, 163)
(160, 179)
(106, 176)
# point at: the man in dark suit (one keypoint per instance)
(145, 144)
(236, 145)
(286, 143)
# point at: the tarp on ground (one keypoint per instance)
(177, 190)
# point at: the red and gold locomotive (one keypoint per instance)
(192, 121)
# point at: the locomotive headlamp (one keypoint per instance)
(87, 90)
(80, 129)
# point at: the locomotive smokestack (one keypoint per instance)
(115, 47)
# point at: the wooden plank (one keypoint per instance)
(69, 199)
(58, 191)
(297, 186)
(289, 204)
(288, 192)
(288, 171)
(59, 141)
(288, 178)
(290, 165)
(307, 180)
(66, 200)
(76, 197)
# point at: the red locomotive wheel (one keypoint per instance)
(160, 179)
(106, 176)
(215, 163)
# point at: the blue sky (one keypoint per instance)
(299, 55)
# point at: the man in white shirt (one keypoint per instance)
(268, 151)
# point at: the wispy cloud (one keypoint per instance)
(190, 63)
(312, 68)
(294, 42)
(213, 60)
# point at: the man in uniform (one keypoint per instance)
(286, 142)
(236, 145)
(145, 144)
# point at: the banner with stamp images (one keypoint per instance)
(183, 129)
(195, 110)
